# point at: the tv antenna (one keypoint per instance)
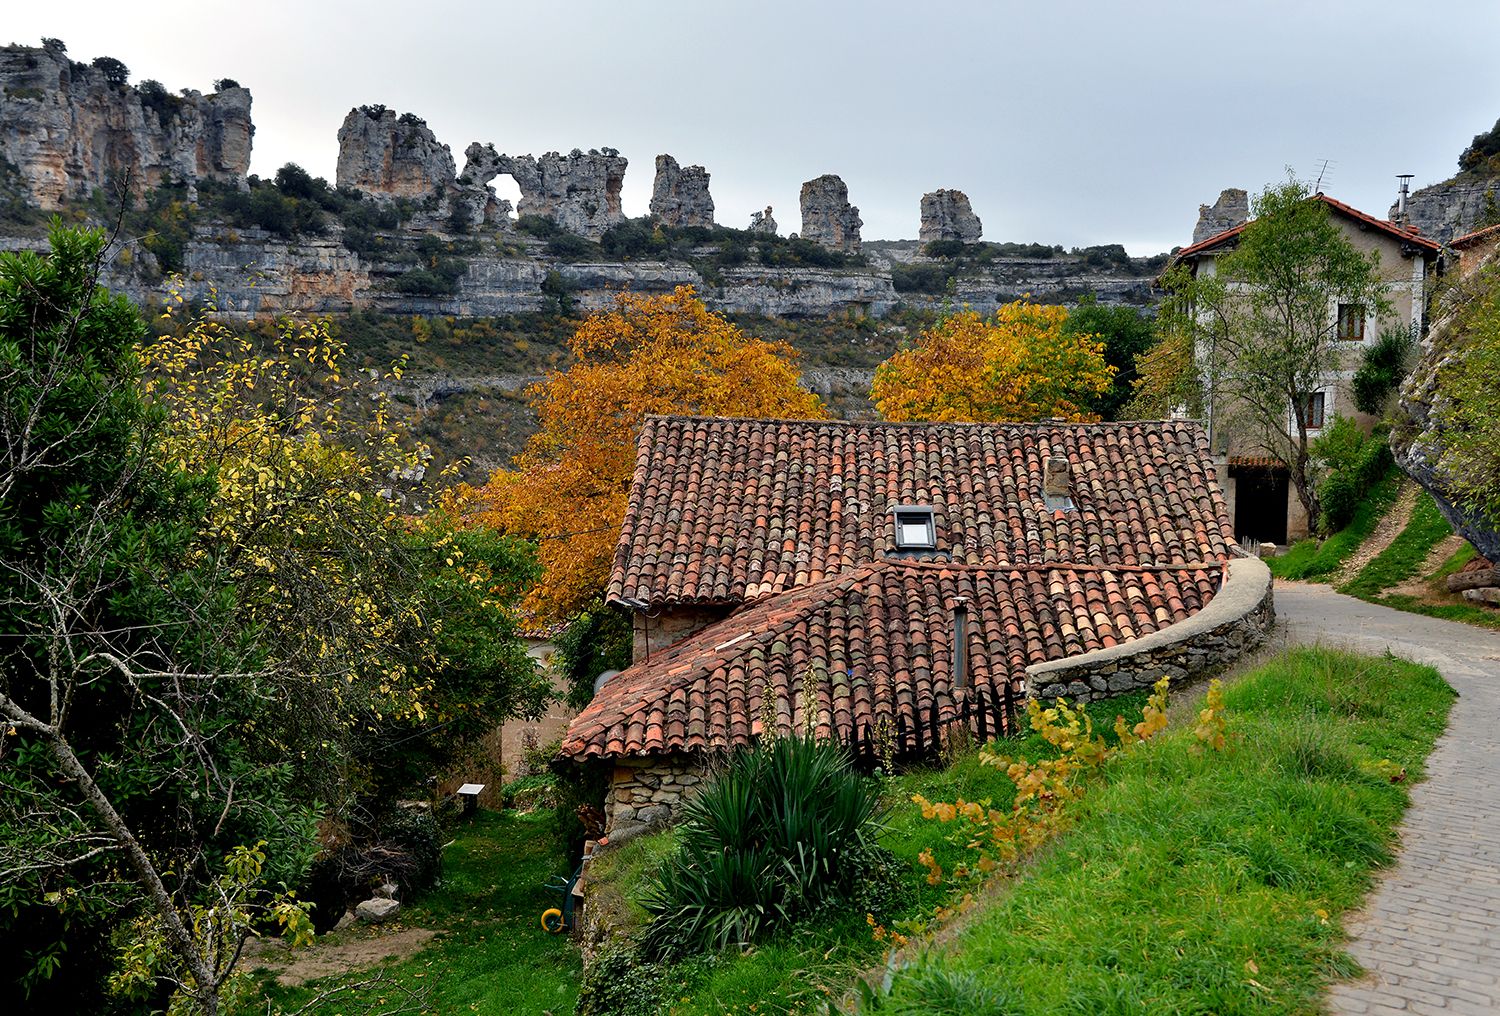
(1322, 172)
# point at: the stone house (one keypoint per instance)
(855, 578)
(1259, 496)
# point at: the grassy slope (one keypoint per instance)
(1404, 558)
(799, 971)
(1213, 883)
(492, 956)
(1309, 560)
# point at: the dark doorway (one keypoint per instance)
(1260, 503)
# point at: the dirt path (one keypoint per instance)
(351, 950)
(1386, 531)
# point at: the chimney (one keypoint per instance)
(961, 642)
(1056, 476)
(1401, 195)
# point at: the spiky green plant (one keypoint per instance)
(783, 829)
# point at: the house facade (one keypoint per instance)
(1259, 497)
(873, 582)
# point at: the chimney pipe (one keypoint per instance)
(960, 642)
(1401, 196)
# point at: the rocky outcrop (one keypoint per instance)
(1232, 209)
(1417, 439)
(386, 156)
(947, 215)
(69, 129)
(1454, 207)
(579, 191)
(680, 197)
(827, 216)
(762, 222)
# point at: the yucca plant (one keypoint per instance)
(782, 830)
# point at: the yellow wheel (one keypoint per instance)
(552, 920)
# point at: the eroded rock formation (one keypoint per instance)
(387, 156)
(762, 222)
(1417, 438)
(1452, 208)
(579, 191)
(827, 216)
(69, 129)
(947, 215)
(1232, 208)
(680, 197)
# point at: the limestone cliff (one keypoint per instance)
(1232, 209)
(679, 195)
(1417, 437)
(68, 129)
(827, 216)
(947, 215)
(386, 156)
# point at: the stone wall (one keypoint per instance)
(644, 792)
(656, 631)
(1235, 620)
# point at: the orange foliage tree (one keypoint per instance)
(650, 355)
(1016, 365)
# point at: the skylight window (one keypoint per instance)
(915, 529)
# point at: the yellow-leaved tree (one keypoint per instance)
(1018, 364)
(649, 355)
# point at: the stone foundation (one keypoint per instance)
(1235, 620)
(645, 792)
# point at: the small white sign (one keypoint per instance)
(471, 788)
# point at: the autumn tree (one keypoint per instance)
(1246, 344)
(213, 607)
(649, 355)
(1022, 363)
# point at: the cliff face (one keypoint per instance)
(69, 129)
(1454, 207)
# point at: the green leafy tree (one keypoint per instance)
(1126, 333)
(217, 622)
(1248, 342)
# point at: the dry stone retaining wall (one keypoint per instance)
(1236, 619)
(644, 793)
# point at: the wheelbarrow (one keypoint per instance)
(560, 918)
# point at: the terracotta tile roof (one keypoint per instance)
(1478, 236)
(1257, 461)
(726, 511)
(1406, 234)
(876, 643)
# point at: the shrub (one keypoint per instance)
(784, 829)
(598, 638)
(570, 245)
(1353, 464)
(115, 72)
(618, 983)
(225, 84)
(1384, 367)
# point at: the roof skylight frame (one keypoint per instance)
(915, 527)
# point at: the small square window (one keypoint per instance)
(1351, 324)
(915, 529)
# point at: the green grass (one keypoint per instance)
(1460, 557)
(1461, 612)
(800, 970)
(1311, 560)
(1210, 882)
(491, 955)
(1406, 554)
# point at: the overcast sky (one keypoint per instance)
(1066, 122)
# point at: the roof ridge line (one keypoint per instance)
(873, 424)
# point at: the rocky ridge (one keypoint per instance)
(68, 129)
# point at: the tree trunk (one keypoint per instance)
(1477, 579)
